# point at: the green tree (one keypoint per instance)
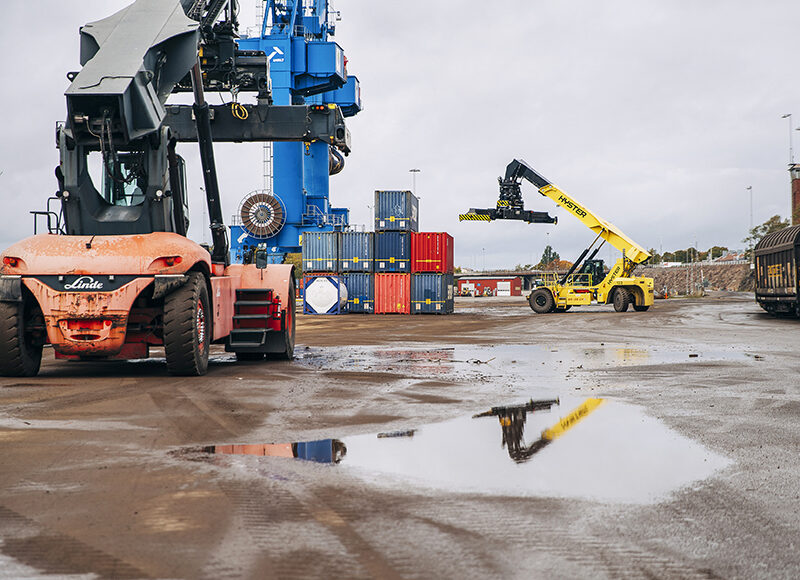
(549, 255)
(297, 261)
(655, 256)
(773, 224)
(718, 251)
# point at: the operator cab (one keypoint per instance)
(591, 273)
(124, 182)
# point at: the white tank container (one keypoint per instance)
(324, 295)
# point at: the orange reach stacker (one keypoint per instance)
(116, 273)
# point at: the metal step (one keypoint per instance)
(240, 291)
(248, 337)
(253, 303)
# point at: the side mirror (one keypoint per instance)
(261, 259)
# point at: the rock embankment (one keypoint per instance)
(689, 279)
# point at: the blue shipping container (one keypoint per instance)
(360, 293)
(396, 211)
(321, 251)
(357, 252)
(392, 252)
(432, 293)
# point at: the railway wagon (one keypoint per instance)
(777, 256)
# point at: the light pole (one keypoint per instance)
(791, 149)
(413, 173)
(750, 233)
(483, 253)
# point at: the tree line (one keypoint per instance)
(551, 260)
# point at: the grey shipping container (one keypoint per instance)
(321, 251)
(396, 211)
(393, 252)
(432, 293)
(357, 252)
(360, 292)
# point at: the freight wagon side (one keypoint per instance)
(776, 257)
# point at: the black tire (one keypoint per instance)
(249, 356)
(622, 300)
(640, 308)
(541, 301)
(288, 334)
(21, 338)
(187, 328)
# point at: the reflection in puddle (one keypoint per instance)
(591, 448)
(512, 423)
(324, 451)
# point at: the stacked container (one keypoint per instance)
(432, 278)
(324, 294)
(357, 250)
(396, 211)
(393, 252)
(392, 293)
(360, 292)
(432, 252)
(321, 251)
(432, 293)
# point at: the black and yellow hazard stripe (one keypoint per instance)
(503, 203)
(474, 217)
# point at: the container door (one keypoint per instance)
(504, 288)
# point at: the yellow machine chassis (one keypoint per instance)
(579, 290)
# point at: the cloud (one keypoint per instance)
(655, 115)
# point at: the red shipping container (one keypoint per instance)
(432, 252)
(392, 293)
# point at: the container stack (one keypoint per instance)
(396, 270)
(432, 277)
(338, 270)
(396, 220)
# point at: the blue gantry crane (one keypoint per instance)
(306, 67)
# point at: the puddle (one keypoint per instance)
(580, 448)
(502, 357)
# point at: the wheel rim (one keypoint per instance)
(200, 323)
(540, 300)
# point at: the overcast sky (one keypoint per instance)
(656, 115)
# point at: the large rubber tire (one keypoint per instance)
(641, 308)
(288, 335)
(622, 300)
(187, 328)
(541, 301)
(20, 347)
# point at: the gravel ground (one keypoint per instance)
(689, 469)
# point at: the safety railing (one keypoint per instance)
(553, 278)
(54, 218)
(314, 216)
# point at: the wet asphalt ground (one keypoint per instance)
(677, 455)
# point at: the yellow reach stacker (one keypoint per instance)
(586, 281)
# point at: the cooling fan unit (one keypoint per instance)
(262, 214)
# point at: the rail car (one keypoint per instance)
(777, 257)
